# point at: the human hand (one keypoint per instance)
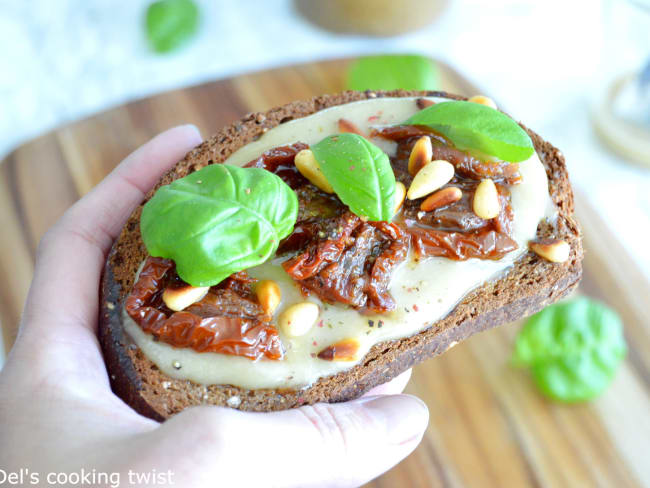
(58, 414)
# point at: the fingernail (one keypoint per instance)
(192, 127)
(404, 416)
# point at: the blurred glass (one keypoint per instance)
(381, 18)
(622, 112)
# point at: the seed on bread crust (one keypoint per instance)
(553, 250)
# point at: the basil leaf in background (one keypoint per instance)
(392, 72)
(170, 23)
(573, 349)
(218, 220)
(474, 126)
(360, 174)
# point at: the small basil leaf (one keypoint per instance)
(170, 23)
(474, 126)
(360, 174)
(392, 72)
(218, 220)
(573, 349)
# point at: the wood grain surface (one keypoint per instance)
(489, 426)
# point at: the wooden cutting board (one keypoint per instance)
(489, 427)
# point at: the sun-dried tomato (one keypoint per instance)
(353, 265)
(226, 321)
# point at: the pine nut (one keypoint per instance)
(421, 154)
(486, 200)
(345, 350)
(310, 169)
(553, 250)
(178, 299)
(299, 318)
(346, 126)
(423, 103)
(441, 198)
(269, 295)
(432, 176)
(400, 193)
(482, 100)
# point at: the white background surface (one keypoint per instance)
(545, 61)
(63, 59)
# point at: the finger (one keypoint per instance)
(65, 286)
(345, 444)
(392, 387)
(101, 214)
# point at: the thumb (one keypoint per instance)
(345, 444)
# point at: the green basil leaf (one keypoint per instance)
(170, 23)
(218, 220)
(392, 72)
(360, 174)
(573, 349)
(474, 126)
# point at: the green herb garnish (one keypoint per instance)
(170, 23)
(360, 174)
(474, 126)
(219, 220)
(392, 72)
(573, 349)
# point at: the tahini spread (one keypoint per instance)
(425, 290)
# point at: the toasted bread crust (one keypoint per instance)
(529, 286)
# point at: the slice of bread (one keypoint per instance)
(529, 286)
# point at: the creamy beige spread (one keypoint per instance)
(425, 290)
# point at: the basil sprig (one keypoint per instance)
(218, 220)
(171, 23)
(392, 72)
(573, 349)
(474, 126)
(360, 174)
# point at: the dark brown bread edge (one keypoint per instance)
(529, 286)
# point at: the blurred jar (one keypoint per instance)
(381, 18)
(622, 111)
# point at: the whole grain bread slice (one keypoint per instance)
(530, 285)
